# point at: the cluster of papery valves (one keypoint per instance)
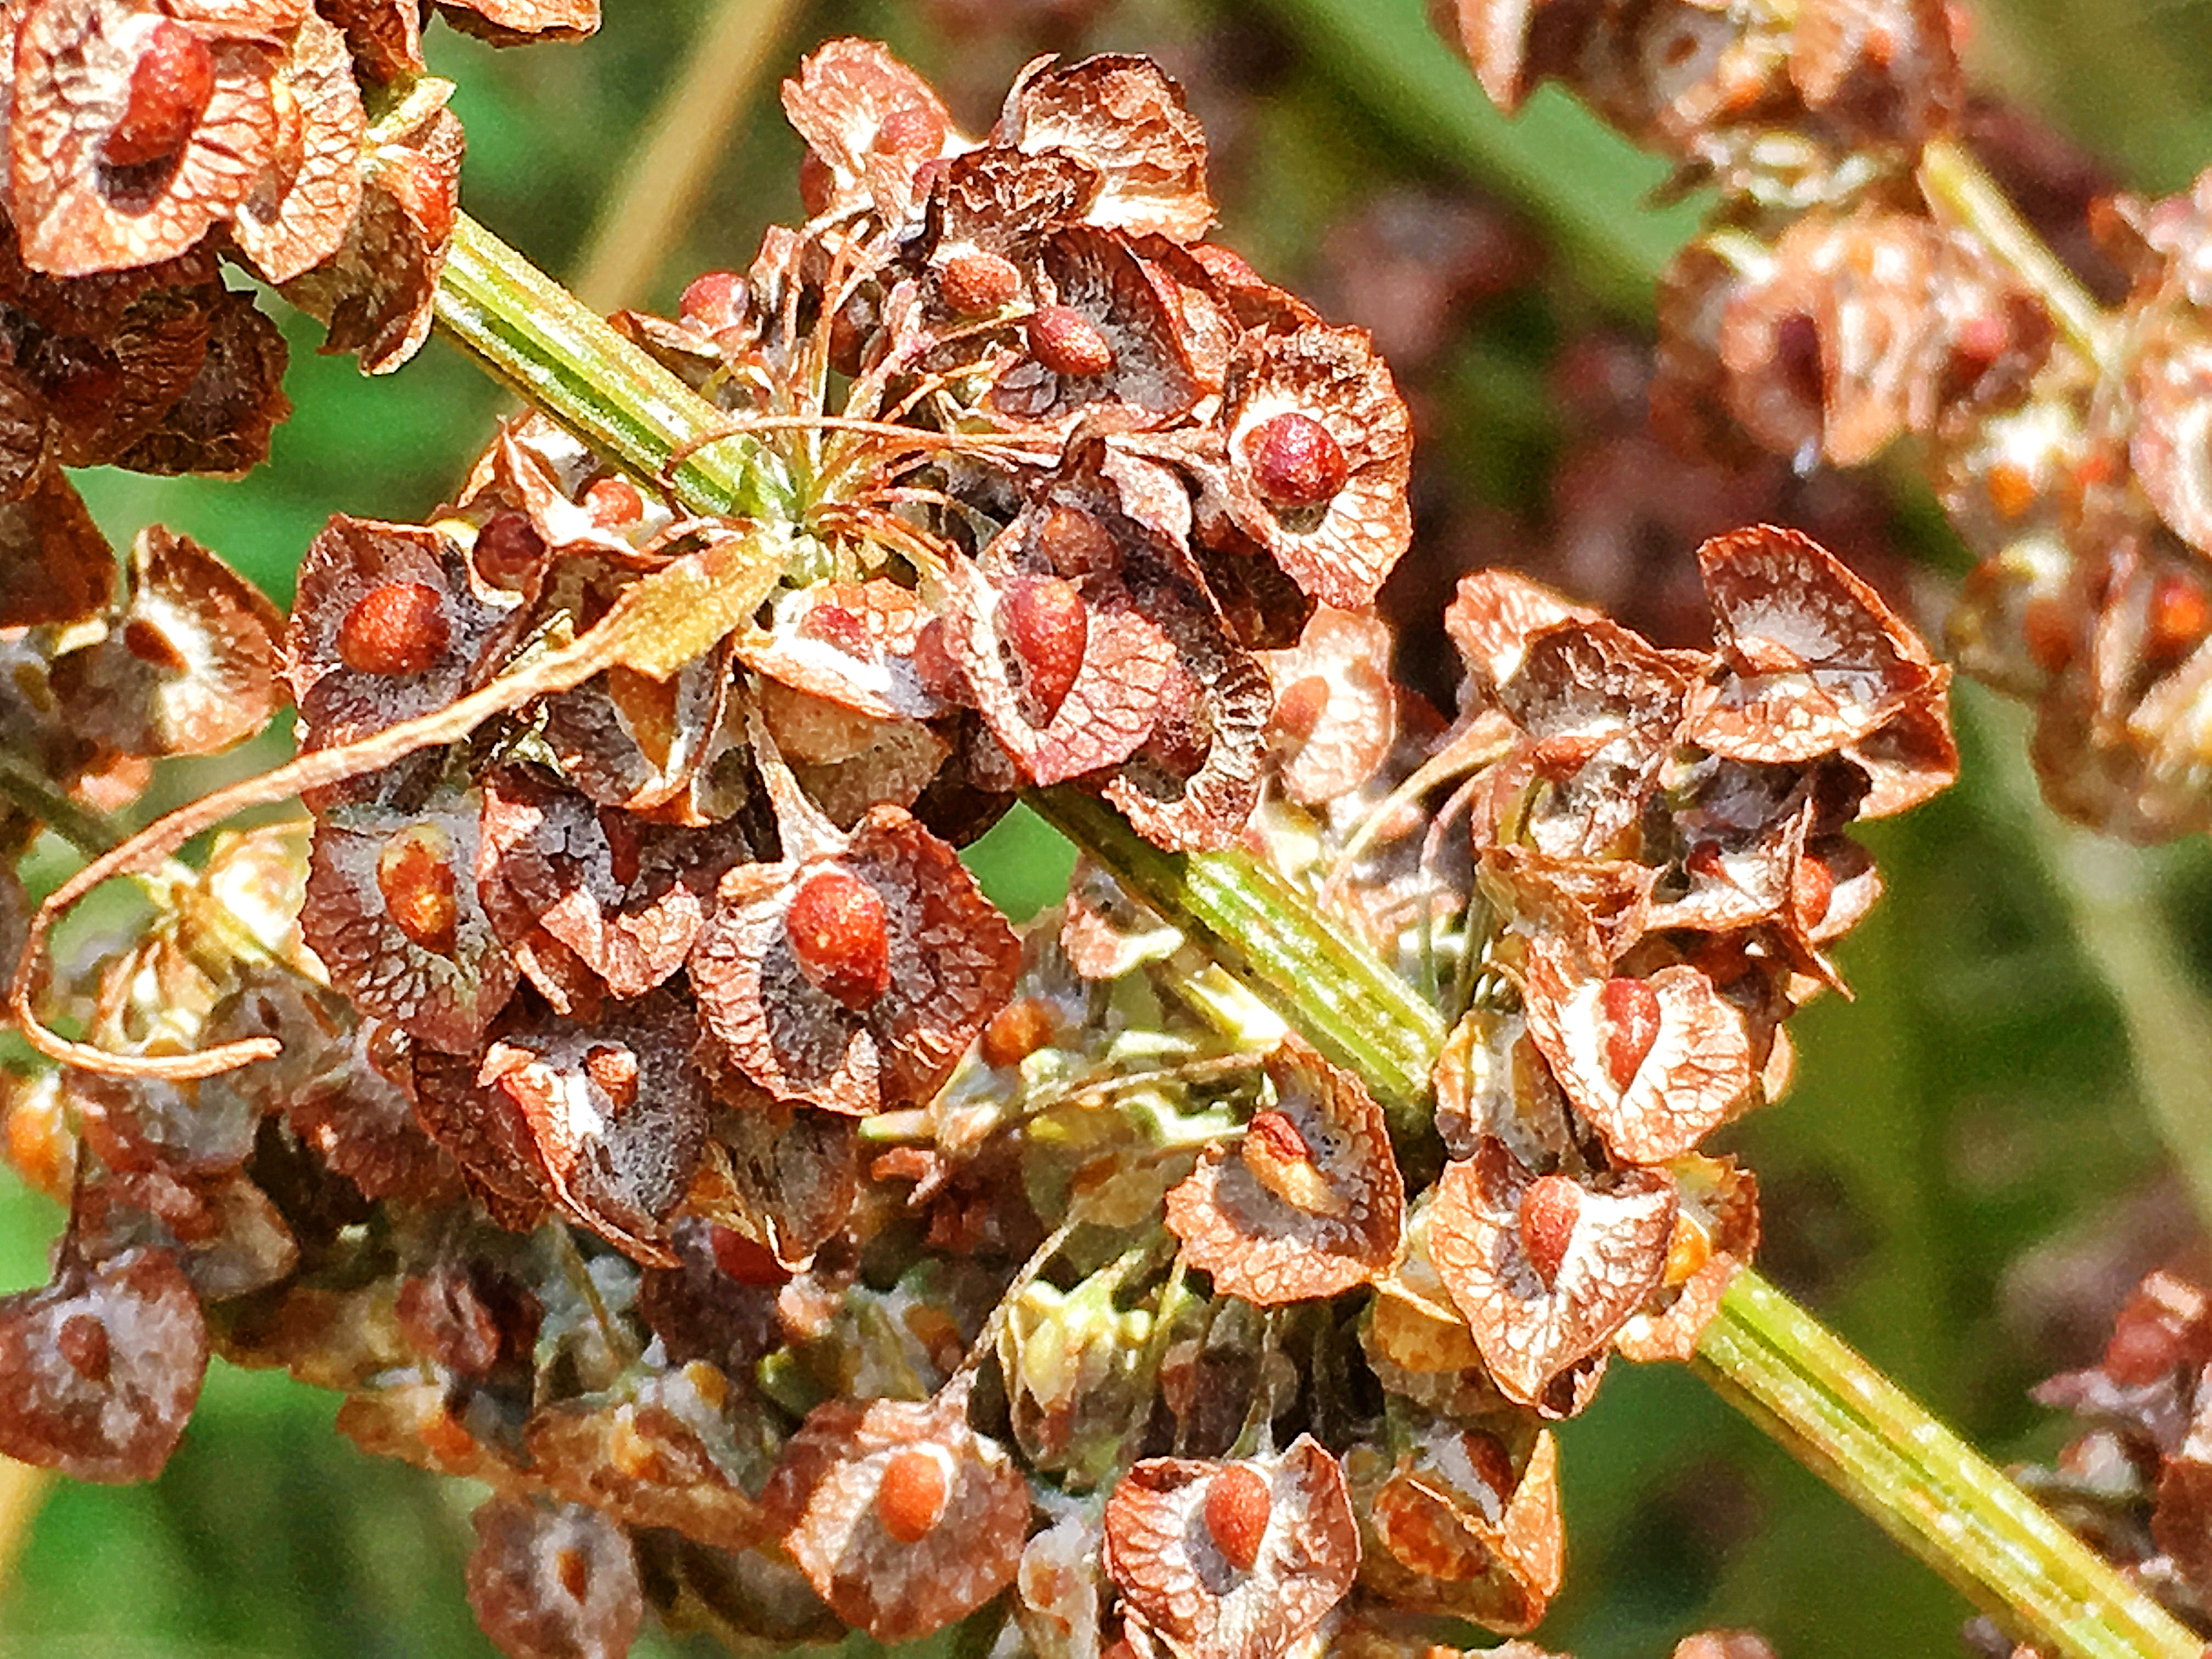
(144, 144)
(2137, 1481)
(1834, 303)
(669, 1134)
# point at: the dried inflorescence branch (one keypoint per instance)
(661, 1126)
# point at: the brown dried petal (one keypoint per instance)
(1104, 714)
(1464, 1527)
(1127, 118)
(1340, 549)
(1491, 618)
(1693, 1071)
(378, 289)
(647, 1460)
(300, 208)
(55, 566)
(189, 668)
(1176, 1580)
(1312, 1203)
(1885, 68)
(219, 422)
(627, 740)
(1515, 43)
(384, 36)
(1815, 659)
(1613, 1255)
(77, 214)
(376, 871)
(951, 965)
(1336, 706)
(512, 23)
(553, 1583)
(1000, 202)
(617, 1111)
(784, 1176)
(102, 1368)
(853, 644)
(827, 1492)
(1716, 1231)
(626, 897)
(346, 567)
(871, 120)
(1107, 297)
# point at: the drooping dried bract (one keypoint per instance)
(102, 1367)
(1547, 1268)
(553, 1583)
(901, 1517)
(1309, 1204)
(1239, 1560)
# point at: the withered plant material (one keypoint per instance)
(1545, 1267)
(102, 1366)
(902, 1517)
(1309, 1204)
(553, 1583)
(1715, 1230)
(300, 207)
(1128, 120)
(510, 22)
(1336, 706)
(1239, 1560)
(1467, 1523)
(853, 979)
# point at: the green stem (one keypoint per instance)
(1870, 1440)
(88, 832)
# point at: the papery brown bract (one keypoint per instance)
(828, 1495)
(1181, 1591)
(1715, 1230)
(1530, 1328)
(102, 1366)
(300, 206)
(1311, 1202)
(553, 1582)
(1127, 120)
(509, 22)
(870, 121)
(1336, 707)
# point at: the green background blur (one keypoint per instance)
(1963, 1182)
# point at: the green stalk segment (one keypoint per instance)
(1836, 1412)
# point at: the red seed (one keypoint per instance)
(1068, 342)
(839, 626)
(1046, 622)
(1811, 888)
(910, 130)
(817, 184)
(153, 647)
(1492, 1465)
(170, 89)
(1632, 1026)
(840, 934)
(1237, 1503)
(615, 1070)
(1295, 461)
(2179, 615)
(418, 885)
(744, 1259)
(1548, 1207)
(509, 550)
(714, 301)
(1019, 1030)
(614, 503)
(83, 1342)
(975, 283)
(397, 630)
(910, 1501)
(2047, 629)
(1279, 1137)
(574, 1571)
(1299, 708)
(1077, 543)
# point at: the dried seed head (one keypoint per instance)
(1549, 1206)
(1295, 460)
(415, 876)
(170, 90)
(397, 630)
(1632, 1026)
(910, 1501)
(1019, 1030)
(975, 284)
(1236, 1506)
(1048, 626)
(1066, 342)
(509, 552)
(840, 935)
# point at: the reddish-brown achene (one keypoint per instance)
(397, 630)
(1237, 1508)
(838, 933)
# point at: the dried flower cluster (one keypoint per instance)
(667, 1132)
(1840, 300)
(2138, 1482)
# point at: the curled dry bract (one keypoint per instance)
(1311, 1201)
(553, 1582)
(1241, 1579)
(902, 1516)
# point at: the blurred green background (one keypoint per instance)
(1965, 1180)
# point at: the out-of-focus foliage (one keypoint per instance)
(1964, 1181)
